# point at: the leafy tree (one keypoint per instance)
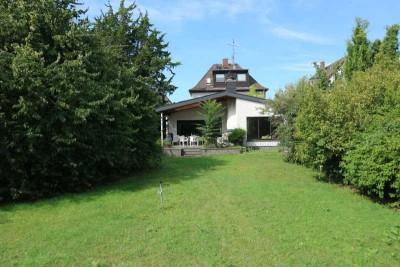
(351, 130)
(358, 50)
(372, 162)
(308, 126)
(390, 44)
(213, 112)
(286, 106)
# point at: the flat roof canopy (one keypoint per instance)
(195, 102)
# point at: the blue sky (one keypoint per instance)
(277, 39)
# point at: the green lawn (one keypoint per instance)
(235, 210)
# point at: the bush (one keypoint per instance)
(237, 136)
(373, 164)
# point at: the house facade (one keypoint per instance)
(228, 84)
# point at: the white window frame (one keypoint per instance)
(218, 78)
(242, 75)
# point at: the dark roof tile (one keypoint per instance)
(202, 85)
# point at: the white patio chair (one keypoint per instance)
(176, 140)
(183, 139)
(194, 140)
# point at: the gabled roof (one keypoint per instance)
(202, 85)
(330, 69)
(195, 102)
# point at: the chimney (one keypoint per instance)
(231, 85)
(225, 63)
(322, 65)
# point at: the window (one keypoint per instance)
(259, 128)
(219, 78)
(241, 77)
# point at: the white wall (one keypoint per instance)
(231, 118)
(246, 109)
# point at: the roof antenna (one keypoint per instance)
(233, 51)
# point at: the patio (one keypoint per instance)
(193, 151)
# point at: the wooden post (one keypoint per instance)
(162, 129)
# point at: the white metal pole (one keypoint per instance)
(162, 124)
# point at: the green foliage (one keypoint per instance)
(348, 128)
(321, 78)
(390, 44)
(253, 92)
(75, 107)
(373, 162)
(167, 143)
(286, 105)
(237, 136)
(212, 112)
(358, 50)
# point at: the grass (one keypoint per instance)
(234, 210)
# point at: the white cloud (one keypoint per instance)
(186, 10)
(286, 33)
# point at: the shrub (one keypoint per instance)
(237, 136)
(373, 164)
(167, 143)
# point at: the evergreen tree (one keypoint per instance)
(76, 103)
(140, 53)
(375, 47)
(358, 50)
(213, 111)
(390, 44)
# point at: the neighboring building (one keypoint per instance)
(228, 84)
(332, 70)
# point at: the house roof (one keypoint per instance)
(202, 85)
(195, 102)
(330, 69)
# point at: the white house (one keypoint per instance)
(228, 84)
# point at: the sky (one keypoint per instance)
(277, 40)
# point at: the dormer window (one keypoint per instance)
(219, 78)
(241, 77)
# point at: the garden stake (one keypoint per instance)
(320, 171)
(161, 196)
